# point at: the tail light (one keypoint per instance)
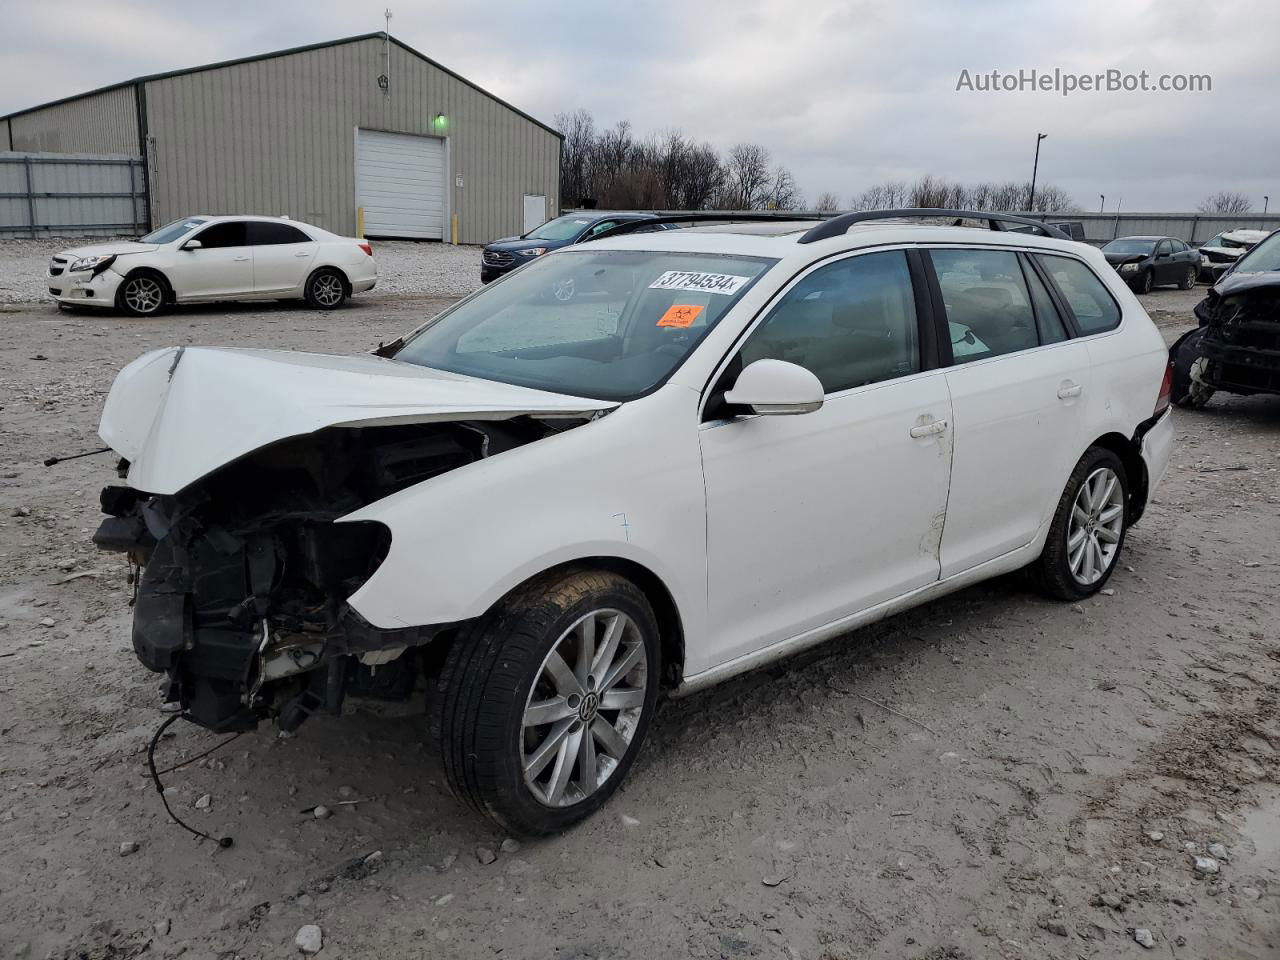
(366, 247)
(1166, 390)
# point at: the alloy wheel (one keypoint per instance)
(1097, 521)
(327, 290)
(143, 295)
(563, 290)
(584, 708)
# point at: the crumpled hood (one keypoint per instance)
(117, 248)
(1234, 253)
(1115, 259)
(1238, 281)
(178, 414)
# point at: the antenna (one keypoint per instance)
(386, 54)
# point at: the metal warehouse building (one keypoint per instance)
(364, 131)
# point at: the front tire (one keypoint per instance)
(326, 289)
(1189, 281)
(1189, 389)
(542, 705)
(144, 293)
(1088, 529)
(1145, 282)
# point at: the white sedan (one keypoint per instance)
(728, 445)
(214, 258)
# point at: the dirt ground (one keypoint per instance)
(1029, 794)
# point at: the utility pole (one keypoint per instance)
(386, 52)
(1265, 202)
(1115, 232)
(1102, 202)
(1031, 201)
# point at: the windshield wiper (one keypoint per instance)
(389, 349)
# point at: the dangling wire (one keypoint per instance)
(223, 842)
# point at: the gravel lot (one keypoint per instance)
(993, 775)
(404, 267)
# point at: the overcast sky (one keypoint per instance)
(845, 93)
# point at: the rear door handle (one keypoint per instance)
(239, 259)
(1069, 389)
(928, 429)
(302, 253)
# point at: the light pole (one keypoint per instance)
(1265, 202)
(1031, 201)
(1102, 202)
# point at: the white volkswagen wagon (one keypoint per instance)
(729, 444)
(214, 258)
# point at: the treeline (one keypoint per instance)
(613, 169)
(931, 191)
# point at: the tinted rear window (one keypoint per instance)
(265, 232)
(1094, 308)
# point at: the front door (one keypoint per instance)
(811, 518)
(282, 256)
(222, 266)
(1017, 391)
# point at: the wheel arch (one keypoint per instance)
(170, 295)
(346, 280)
(1130, 453)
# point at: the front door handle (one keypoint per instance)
(928, 429)
(1069, 389)
(302, 253)
(239, 259)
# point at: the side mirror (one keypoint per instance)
(192, 245)
(776, 387)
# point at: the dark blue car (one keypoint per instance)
(503, 256)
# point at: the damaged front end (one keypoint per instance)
(242, 578)
(1239, 335)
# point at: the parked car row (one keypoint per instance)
(1152, 261)
(731, 443)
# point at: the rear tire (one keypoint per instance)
(326, 289)
(1087, 534)
(144, 293)
(534, 733)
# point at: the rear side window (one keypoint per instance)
(1048, 320)
(850, 323)
(1094, 308)
(988, 306)
(228, 234)
(265, 233)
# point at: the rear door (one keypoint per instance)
(282, 256)
(1017, 384)
(222, 266)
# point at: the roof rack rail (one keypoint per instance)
(839, 224)
(632, 226)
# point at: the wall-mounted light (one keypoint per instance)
(441, 123)
(383, 83)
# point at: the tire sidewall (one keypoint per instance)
(1146, 282)
(1186, 353)
(312, 280)
(1096, 457)
(527, 813)
(165, 293)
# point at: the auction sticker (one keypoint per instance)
(680, 315)
(723, 283)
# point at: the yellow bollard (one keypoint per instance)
(454, 228)
(360, 222)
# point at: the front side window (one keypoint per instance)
(988, 307)
(850, 323)
(1094, 308)
(230, 233)
(266, 233)
(1163, 249)
(611, 325)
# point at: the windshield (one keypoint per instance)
(561, 228)
(172, 231)
(1131, 247)
(1262, 258)
(608, 324)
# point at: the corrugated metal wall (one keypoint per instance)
(101, 123)
(277, 136)
(47, 194)
(1194, 228)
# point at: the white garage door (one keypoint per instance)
(400, 184)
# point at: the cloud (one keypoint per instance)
(846, 94)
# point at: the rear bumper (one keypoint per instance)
(1156, 449)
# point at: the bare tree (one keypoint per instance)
(579, 131)
(932, 191)
(827, 202)
(748, 179)
(1225, 201)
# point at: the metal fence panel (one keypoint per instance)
(50, 194)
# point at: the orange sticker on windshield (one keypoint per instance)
(679, 315)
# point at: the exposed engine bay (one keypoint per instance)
(241, 578)
(1238, 339)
